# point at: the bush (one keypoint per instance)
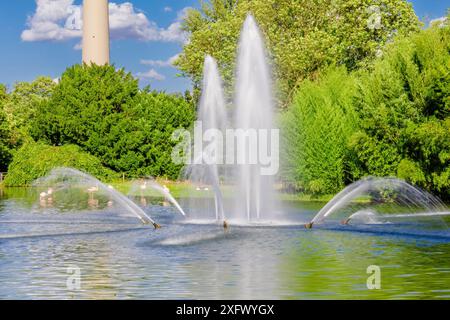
(390, 120)
(5, 134)
(404, 108)
(102, 110)
(35, 160)
(5, 148)
(317, 129)
(411, 171)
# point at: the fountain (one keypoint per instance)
(253, 195)
(370, 200)
(254, 110)
(80, 183)
(375, 200)
(212, 114)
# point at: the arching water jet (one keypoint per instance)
(66, 178)
(373, 199)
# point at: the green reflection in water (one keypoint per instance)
(246, 263)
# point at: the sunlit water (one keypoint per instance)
(121, 259)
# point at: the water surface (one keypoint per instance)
(121, 259)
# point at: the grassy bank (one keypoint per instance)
(183, 189)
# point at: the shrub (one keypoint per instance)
(35, 160)
(390, 120)
(102, 110)
(410, 171)
(404, 108)
(5, 146)
(5, 133)
(317, 128)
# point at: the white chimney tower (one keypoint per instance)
(96, 32)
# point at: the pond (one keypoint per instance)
(119, 258)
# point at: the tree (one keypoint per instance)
(316, 131)
(158, 115)
(3, 94)
(303, 36)
(5, 134)
(21, 105)
(404, 108)
(392, 119)
(103, 111)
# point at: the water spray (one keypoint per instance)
(65, 178)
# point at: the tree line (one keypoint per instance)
(103, 117)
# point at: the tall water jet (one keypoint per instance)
(380, 200)
(75, 184)
(213, 118)
(254, 111)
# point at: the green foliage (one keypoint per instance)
(158, 116)
(5, 133)
(35, 160)
(104, 112)
(411, 171)
(22, 103)
(404, 108)
(392, 119)
(303, 36)
(317, 129)
(3, 94)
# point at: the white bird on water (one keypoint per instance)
(93, 189)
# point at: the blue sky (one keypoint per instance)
(40, 37)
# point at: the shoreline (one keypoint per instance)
(182, 189)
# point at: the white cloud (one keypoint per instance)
(168, 9)
(161, 63)
(60, 20)
(125, 22)
(53, 20)
(439, 21)
(152, 74)
(174, 32)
